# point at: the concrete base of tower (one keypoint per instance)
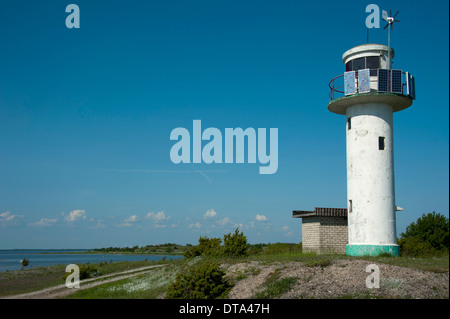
(372, 250)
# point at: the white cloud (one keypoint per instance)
(76, 215)
(160, 216)
(195, 225)
(100, 225)
(261, 218)
(210, 213)
(44, 222)
(285, 228)
(6, 216)
(131, 219)
(8, 219)
(128, 222)
(224, 221)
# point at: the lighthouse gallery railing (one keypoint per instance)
(385, 81)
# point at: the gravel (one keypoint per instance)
(339, 279)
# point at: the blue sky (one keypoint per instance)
(86, 115)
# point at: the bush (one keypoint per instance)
(209, 246)
(428, 236)
(86, 271)
(25, 262)
(415, 247)
(192, 252)
(206, 246)
(205, 281)
(235, 245)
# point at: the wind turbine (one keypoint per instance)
(390, 22)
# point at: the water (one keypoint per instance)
(10, 259)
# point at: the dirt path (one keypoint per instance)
(61, 291)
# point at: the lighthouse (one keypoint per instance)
(368, 93)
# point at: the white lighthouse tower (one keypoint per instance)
(370, 93)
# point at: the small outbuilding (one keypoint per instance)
(324, 230)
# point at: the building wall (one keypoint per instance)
(334, 234)
(311, 234)
(324, 234)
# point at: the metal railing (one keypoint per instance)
(337, 85)
(334, 88)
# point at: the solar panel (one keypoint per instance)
(383, 80)
(364, 81)
(396, 81)
(349, 82)
(410, 85)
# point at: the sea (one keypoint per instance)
(10, 259)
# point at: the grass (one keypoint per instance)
(155, 282)
(145, 286)
(28, 280)
(275, 287)
(150, 285)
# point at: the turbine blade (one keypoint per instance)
(386, 26)
(390, 13)
(396, 20)
(396, 14)
(385, 15)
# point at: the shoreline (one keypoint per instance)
(110, 253)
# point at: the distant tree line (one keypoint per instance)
(164, 248)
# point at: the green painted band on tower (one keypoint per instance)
(372, 250)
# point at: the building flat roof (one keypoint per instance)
(321, 211)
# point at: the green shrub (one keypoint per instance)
(209, 246)
(206, 246)
(235, 245)
(86, 271)
(192, 252)
(25, 262)
(415, 247)
(428, 236)
(204, 281)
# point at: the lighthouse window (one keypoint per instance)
(381, 143)
(348, 66)
(370, 62)
(349, 123)
(373, 63)
(359, 64)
